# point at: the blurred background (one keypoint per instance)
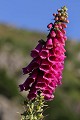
(22, 24)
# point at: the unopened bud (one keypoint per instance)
(62, 18)
(66, 21)
(65, 8)
(56, 18)
(59, 10)
(59, 14)
(54, 14)
(49, 25)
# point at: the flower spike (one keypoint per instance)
(45, 70)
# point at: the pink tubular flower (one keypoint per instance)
(45, 70)
(35, 52)
(44, 53)
(49, 44)
(52, 34)
(50, 25)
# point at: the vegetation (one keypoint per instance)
(66, 104)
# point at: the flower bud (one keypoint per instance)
(52, 34)
(50, 25)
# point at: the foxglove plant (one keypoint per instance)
(45, 70)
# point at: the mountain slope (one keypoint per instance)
(15, 47)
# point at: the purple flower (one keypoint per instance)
(45, 70)
(35, 52)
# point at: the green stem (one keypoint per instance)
(34, 109)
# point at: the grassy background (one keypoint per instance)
(15, 47)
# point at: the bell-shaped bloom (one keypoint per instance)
(33, 74)
(35, 52)
(43, 80)
(61, 40)
(32, 92)
(52, 34)
(63, 25)
(45, 68)
(48, 76)
(60, 26)
(48, 97)
(45, 65)
(63, 31)
(61, 58)
(65, 38)
(52, 59)
(53, 84)
(26, 85)
(29, 81)
(41, 86)
(59, 33)
(49, 44)
(56, 42)
(34, 64)
(44, 53)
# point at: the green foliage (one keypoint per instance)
(8, 86)
(18, 38)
